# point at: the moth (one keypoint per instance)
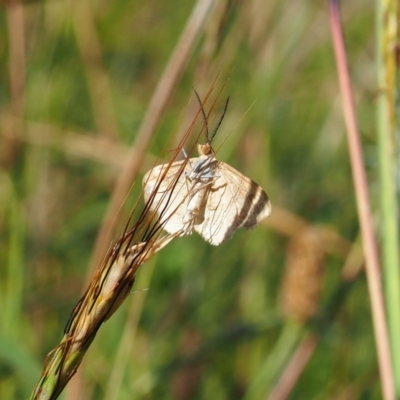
(204, 195)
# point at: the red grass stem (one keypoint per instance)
(363, 207)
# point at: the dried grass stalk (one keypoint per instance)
(108, 289)
(112, 283)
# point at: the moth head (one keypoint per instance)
(205, 149)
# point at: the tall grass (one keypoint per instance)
(201, 321)
(387, 29)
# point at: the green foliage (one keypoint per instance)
(211, 317)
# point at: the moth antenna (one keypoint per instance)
(210, 138)
(204, 114)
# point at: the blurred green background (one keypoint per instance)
(76, 79)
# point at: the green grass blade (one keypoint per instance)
(386, 127)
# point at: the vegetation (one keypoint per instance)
(90, 101)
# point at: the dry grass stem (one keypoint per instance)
(69, 142)
(294, 369)
(352, 267)
(112, 283)
(96, 75)
(290, 224)
(108, 289)
(172, 73)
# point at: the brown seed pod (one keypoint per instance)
(302, 280)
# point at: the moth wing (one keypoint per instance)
(166, 190)
(233, 201)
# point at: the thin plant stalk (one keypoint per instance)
(386, 34)
(91, 54)
(363, 208)
(295, 367)
(172, 73)
(126, 344)
(109, 287)
(112, 282)
(275, 361)
(303, 353)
